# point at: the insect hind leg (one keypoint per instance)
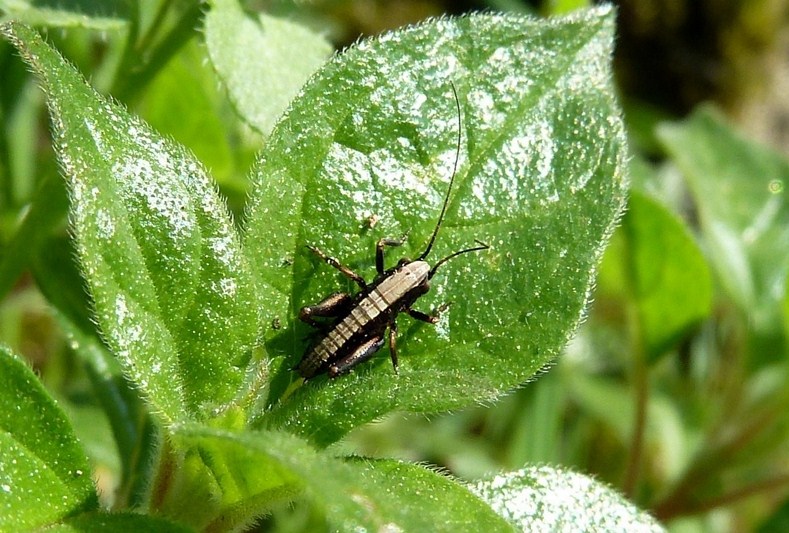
(333, 305)
(331, 261)
(361, 354)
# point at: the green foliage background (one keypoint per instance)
(673, 389)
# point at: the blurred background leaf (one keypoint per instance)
(256, 59)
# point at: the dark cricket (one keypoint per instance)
(359, 322)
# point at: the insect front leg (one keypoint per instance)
(332, 306)
(361, 354)
(379, 250)
(339, 266)
(430, 319)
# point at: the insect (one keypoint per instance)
(360, 321)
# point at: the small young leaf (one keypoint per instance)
(672, 283)
(356, 495)
(263, 62)
(543, 498)
(170, 285)
(366, 151)
(739, 188)
(44, 473)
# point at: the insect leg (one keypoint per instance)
(424, 317)
(393, 343)
(331, 306)
(362, 353)
(379, 250)
(339, 266)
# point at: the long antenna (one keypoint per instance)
(451, 180)
(481, 246)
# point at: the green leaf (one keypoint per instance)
(785, 309)
(642, 122)
(58, 278)
(48, 208)
(536, 430)
(118, 523)
(366, 151)
(44, 473)
(181, 102)
(104, 15)
(354, 494)
(262, 62)
(672, 286)
(559, 7)
(132, 427)
(170, 285)
(56, 271)
(739, 189)
(544, 498)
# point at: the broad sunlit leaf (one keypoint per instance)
(367, 151)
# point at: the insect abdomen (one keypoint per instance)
(368, 316)
(337, 341)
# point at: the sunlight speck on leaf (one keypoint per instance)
(544, 498)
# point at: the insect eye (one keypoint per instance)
(403, 261)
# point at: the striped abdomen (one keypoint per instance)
(369, 316)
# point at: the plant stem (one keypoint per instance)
(144, 63)
(677, 507)
(640, 384)
(163, 478)
(638, 377)
(710, 458)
